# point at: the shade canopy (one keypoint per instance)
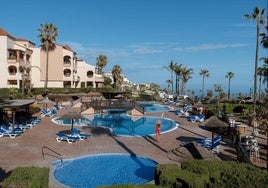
(214, 122)
(72, 115)
(45, 101)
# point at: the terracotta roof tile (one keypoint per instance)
(4, 33)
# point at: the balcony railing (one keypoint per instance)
(66, 64)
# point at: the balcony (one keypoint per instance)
(12, 60)
(99, 78)
(66, 64)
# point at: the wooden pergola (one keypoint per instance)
(13, 106)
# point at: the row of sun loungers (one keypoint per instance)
(210, 144)
(14, 130)
(49, 113)
(71, 137)
(193, 118)
(53, 111)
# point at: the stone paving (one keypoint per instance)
(35, 146)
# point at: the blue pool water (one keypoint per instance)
(124, 125)
(77, 122)
(101, 170)
(155, 108)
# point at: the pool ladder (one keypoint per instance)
(58, 156)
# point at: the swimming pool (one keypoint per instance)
(105, 169)
(77, 122)
(155, 108)
(124, 125)
(121, 124)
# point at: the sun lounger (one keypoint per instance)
(194, 118)
(50, 113)
(6, 131)
(64, 137)
(210, 144)
(19, 126)
(79, 134)
(182, 112)
(34, 121)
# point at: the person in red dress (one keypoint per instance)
(157, 130)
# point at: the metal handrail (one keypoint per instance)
(59, 156)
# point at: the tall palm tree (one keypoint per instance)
(258, 15)
(101, 63)
(116, 72)
(170, 68)
(169, 82)
(205, 74)
(229, 75)
(47, 36)
(260, 73)
(186, 75)
(265, 71)
(177, 70)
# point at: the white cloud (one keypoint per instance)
(203, 47)
(147, 51)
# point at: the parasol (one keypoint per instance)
(45, 101)
(72, 115)
(214, 123)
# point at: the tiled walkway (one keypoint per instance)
(26, 150)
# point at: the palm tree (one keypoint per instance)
(265, 71)
(169, 82)
(47, 36)
(186, 75)
(23, 67)
(116, 72)
(259, 16)
(229, 75)
(170, 68)
(177, 70)
(260, 73)
(101, 63)
(205, 74)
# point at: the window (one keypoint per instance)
(89, 74)
(67, 72)
(12, 70)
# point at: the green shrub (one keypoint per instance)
(27, 177)
(201, 173)
(170, 175)
(228, 174)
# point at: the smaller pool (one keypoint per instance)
(103, 170)
(124, 125)
(156, 108)
(77, 122)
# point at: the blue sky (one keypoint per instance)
(142, 36)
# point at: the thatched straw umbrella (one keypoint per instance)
(72, 115)
(214, 123)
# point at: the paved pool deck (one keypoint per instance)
(38, 146)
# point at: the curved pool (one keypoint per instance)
(124, 125)
(77, 122)
(105, 169)
(148, 107)
(121, 124)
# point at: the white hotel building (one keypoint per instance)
(65, 70)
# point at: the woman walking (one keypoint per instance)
(158, 130)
